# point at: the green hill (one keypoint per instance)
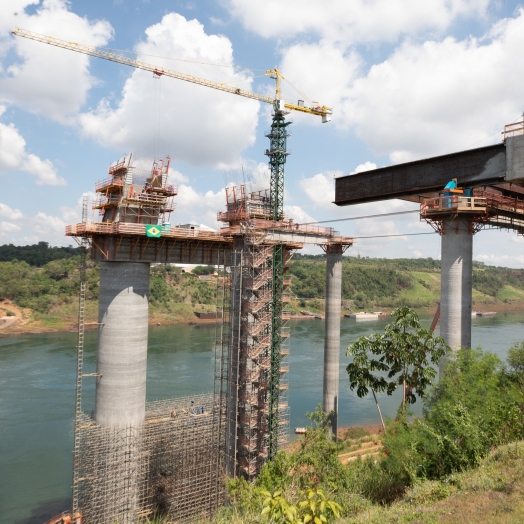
(381, 283)
(44, 285)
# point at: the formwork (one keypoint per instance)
(171, 466)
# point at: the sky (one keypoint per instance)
(406, 80)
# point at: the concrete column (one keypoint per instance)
(456, 284)
(122, 344)
(332, 334)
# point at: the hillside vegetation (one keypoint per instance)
(381, 283)
(461, 462)
(43, 282)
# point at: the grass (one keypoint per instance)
(418, 293)
(492, 493)
(508, 293)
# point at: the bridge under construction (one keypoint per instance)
(133, 459)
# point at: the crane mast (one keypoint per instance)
(277, 154)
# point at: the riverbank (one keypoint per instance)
(24, 324)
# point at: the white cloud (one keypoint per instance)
(9, 227)
(366, 166)
(10, 213)
(441, 96)
(49, 225)
(200, 208)
(14, 157)
(321, 70)
(427, 98)
(501, 260)
(320, 189)
(42, 78)
(298, 214)
(177, 176)
(196, 124)
(351, 20)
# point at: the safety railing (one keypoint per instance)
(102, 185)
(511, 130)
(149, 198)
(502, 202)
(284, 225)
(453, 203)
(124, 228)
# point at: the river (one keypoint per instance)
(37, 375)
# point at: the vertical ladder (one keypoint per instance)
(79, 365)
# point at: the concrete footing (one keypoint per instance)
(332, 335)
(456, 284)
(122, 344)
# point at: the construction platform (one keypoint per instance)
(488, 207)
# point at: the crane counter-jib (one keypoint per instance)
(323, 111)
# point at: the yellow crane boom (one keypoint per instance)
(323, 111)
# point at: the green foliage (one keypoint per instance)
(203, 270)
(405, 352)
(44, 290)
(376, 283)
(491, 280)
(473, 408)
(37, 254)
(515, 362)
(476, 382)
(277, 509)
(355, 433)
(314, 508)
(10, 313)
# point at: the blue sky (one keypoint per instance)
(406, 80)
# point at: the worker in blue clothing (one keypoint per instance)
(446, 201)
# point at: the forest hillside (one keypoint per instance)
(40, 283)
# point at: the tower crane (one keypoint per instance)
(277, 150)
(277, 154)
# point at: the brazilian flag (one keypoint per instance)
(154, 231)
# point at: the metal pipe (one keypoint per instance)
(456, 284)
(332, 335)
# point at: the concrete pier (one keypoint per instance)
(122, 344)
(332, 334)
(456, 283)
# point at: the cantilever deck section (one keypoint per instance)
(499, 166)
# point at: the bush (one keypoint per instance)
(203, 270)
(472, 409)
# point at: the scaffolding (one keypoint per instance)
(258, 338)
(170, 466)
(174, 463)
(134, 195)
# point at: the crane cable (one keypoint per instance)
(361, 217)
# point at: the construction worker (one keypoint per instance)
(448, 196)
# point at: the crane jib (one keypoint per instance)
(323, 111)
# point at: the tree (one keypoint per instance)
(405, 353)
(203, 270)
